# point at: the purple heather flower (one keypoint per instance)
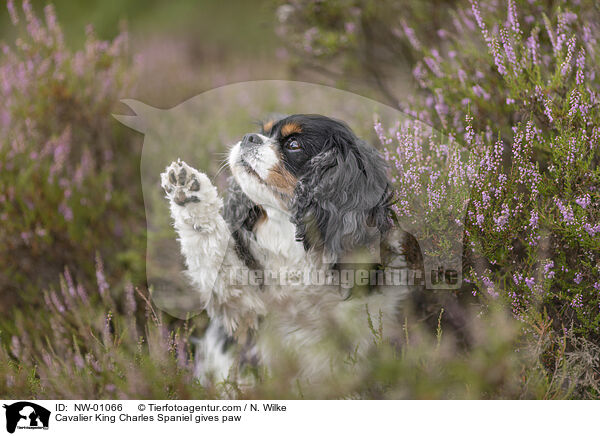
(548, 110)
(584, 201)
(566, 211)
(383, 139)
(502, 219)
(533, 46)
(477, 14)
(100, 278)
(468, 129)
(494, 47)
(578, 278)
(517, 277)
(577, 302)
(530, 282)
(509, 50)
(580, 66)
(57, 303)
(533, 220)
(65, 211)
(591, 230)
(78, 360)
(480, 92)
(574, 103)
(485, 198)
(513, 19)
(433, 66)
(14, 18)
(548, 273)
(566, 65)
(480, 219)
(410, 35)
(489, 284)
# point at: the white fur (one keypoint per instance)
(261, 161)
(212, 360)
(204, 237)
(297, 320)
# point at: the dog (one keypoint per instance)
(307, 197)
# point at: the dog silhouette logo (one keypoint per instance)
(26, 415)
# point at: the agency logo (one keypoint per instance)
(26, 415)
(432, 177)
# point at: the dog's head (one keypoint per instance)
(332, 184)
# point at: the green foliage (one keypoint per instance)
(60, 153)
(111, 342)
(97, 345)
(517, 84)
(517, 87)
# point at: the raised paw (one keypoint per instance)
(182, 183)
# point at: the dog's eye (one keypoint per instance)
(292, 144)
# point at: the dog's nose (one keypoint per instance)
(251, 139)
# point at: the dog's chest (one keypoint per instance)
(276, 247)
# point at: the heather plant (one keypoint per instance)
(110, 342)
(97, 342)
(433, 175)
(59, 154)
(533, 217)
(517, 84)
(355, 44)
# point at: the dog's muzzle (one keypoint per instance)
(251, 139)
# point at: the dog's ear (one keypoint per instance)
(343, 200)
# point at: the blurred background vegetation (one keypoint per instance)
(187, 46)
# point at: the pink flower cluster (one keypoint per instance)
(54, 113)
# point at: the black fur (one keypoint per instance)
(342, 199)
(241, 214)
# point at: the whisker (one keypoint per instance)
(221, 153)
(223, 159)
(224, 164)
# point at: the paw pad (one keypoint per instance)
(181, 176)
(181, 183)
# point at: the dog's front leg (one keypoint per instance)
(205, 243)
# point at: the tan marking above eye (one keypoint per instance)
(268, 125)
(290, 128)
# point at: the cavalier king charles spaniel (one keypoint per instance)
(297, 254)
